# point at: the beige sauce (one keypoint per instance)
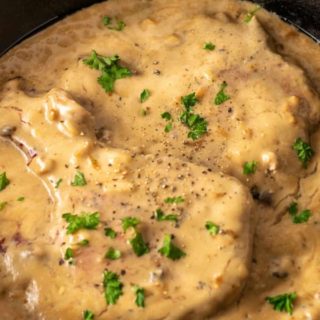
(56, 120)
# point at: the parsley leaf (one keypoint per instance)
(88, 315)
(3, 205)
(209, 46)
(249, 15)
(79, 180)
(169, 250)
(304, 151)
(249, 167)
(4, 181)
(83, 221)
(140, 296)
(301, 217)
(189, 100)
(196, 124)
(109, 232)
(221, 96)
(58, 183)
(113, 254)
(144, 96)
(83, 243)
(212, 228)
(118, 25)
(172, 200)
(283, 302)
(160, 216)
(109, 68)
(168, 127)
(166, 116)
(68, 254)
(112, 287)
(129, 222)
(138, 245)
(21, 199)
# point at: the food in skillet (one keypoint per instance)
(159, 161)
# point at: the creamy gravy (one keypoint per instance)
(57, 122)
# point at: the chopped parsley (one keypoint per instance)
(112, 287)
(109, 68)
(21, 199)
(3, 205)
(58, 183)
(138, 245)
(169, 250)
(144, 96)
(172, 200)
(83, 221)
(221, 96)
(196, 124)
(88, 315)
(4, 181)
(249, 15)
(250, 167)
(161, 216)
(79, 180)
(296, 217)
(168, 127)
(129, 222)
(113, 254)
(118, 25)
(166, 116)
(283, 302)
(209, 46)
(212, 228)
(68, 254)
(304, 151)
(140, 296)
(83, 243)
(109, 232)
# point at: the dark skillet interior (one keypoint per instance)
(22, 18)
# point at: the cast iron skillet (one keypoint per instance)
(22, 18)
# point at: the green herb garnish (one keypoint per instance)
(283, 302)
(169, 250)
(83, 221)
(3, 205)
(140, 296)
(109, 68)
(166, 116)
(196, 124)
(144, 96)
(209, 46)
(68, 254)
(304, 151)
(83, 243)
(249, 15)
(172, 200)
(249, 167)
(221, 96)
(88, 315)
(79, 180)
(113, 254)
(20, 199)
(109, 232)
(129, 222)
(58, 183)
(4, 181)
(168, 127)
(118, 25)
(161, 216)
(301, 217)
(138, 245)
(212, 228)
(112, 287)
